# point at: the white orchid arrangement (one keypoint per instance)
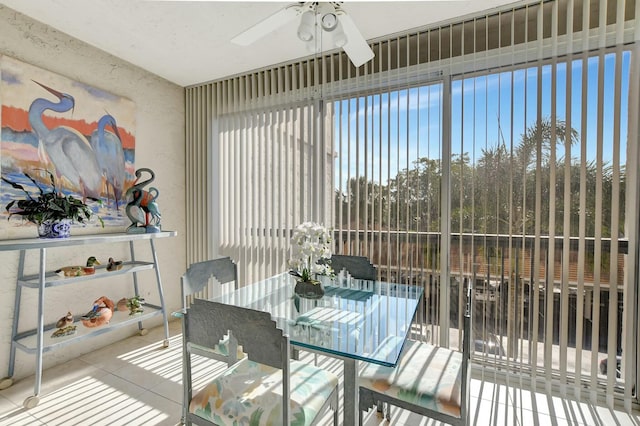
(310, 243)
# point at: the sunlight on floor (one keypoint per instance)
(138, 382)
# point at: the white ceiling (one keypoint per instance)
(188, 42)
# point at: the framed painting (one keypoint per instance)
(83, 135)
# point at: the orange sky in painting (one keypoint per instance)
(18, 120)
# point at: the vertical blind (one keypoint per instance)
(497, 151)
(271, 155)
(272, 167)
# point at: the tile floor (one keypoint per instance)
(137, 382)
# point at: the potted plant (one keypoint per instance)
(311, 243)
(51, 210)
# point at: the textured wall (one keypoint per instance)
(159, 146)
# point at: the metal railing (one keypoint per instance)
(525, 317)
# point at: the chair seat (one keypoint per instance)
(251, 393)
(426, 375)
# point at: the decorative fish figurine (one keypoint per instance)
(77, 271)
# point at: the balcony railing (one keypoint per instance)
(532, 314)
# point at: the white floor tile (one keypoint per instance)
(139, 382)
(52, 379)
(6, 405)
(110, 358)
(171, 390)
(12, 414)
(19, 418)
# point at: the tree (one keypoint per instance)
(361, 204)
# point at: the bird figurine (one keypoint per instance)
(65, 320)
(64, 326)
(92, 314)
(100, 313)
(122, 304)
(114, 265)
(77, 271)
(135, 305)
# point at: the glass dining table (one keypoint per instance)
(355, 320)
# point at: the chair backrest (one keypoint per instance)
(197, 276)
(359, 267)
(206, 323)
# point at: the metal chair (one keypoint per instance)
(211, 277)
(428, 380)
(358, 267)
(264, 388)
(198, 277)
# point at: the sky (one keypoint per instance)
(402, 126)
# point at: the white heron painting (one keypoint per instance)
(81, 134)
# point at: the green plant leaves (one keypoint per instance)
(48, 205)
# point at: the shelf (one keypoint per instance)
(53, 280)
(78, 240)
(27, 341)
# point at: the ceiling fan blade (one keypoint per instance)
(272, 23)
(356, 48)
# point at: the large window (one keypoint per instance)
(533, 209)
(500, 151)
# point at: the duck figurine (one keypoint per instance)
(65, 320)
(77, 271)
(100, 313)
(65, 326)
(114, 265)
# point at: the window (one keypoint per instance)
(491, 151)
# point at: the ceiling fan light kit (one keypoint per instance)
(306, 29)
(329, 21)
(327, 17)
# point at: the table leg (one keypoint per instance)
(351, 411)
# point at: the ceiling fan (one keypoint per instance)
(330, 17)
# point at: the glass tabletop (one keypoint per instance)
(359, 319)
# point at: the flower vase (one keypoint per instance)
(55, 229)
(311, 289)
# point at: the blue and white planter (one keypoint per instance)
(55, 229)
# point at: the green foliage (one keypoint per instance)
(505, 190)
(48, 204)
(255, 416)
